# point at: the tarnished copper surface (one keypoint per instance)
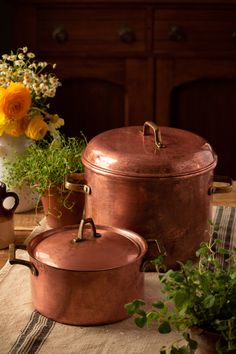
(86, 298)
(128, 152)
(110, 248)
(64, 291)
(160, 193)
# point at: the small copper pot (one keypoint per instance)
(156, 181)
(85, 276)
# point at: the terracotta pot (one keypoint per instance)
(157, 182)
(63, 207)
(206, 341)
(85, 276)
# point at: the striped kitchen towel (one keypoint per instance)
(224, 220)
(224, 223)
(24, 331)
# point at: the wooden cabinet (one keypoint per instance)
(122, 62)
(102, 56)
(195, 52)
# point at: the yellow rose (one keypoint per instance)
(3, 123)
(3, 120)
(2, 91)
(16, 127)
(37, 128)
(15, 101)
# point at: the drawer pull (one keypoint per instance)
(126, 34)
(60, 34)
(234, 35)
(176, 33)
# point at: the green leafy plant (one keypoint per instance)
(197, 296)
(45, 163)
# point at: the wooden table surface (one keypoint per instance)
(26, 222)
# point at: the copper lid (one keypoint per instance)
(99, 248)
(149, 151)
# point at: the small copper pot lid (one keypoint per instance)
(87, 248)
(149, 151)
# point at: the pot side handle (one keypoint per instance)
(226, 188)
(75, 182)
(14, 260)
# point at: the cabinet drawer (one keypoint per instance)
(195, 30)
(77, 31)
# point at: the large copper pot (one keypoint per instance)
(155, 181)
(85, 276)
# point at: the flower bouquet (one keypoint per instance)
(25, 86)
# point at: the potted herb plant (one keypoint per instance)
(43, 165)
(199, 301)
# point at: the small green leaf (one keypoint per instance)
(182, 350)
(130, 308)
(158, 260)
(209, 301)
(181, 299)
(152, 316)
(203, 250)
(141, 312)
(138, 303)
(186, 336)
(158, 304)
(133, 306)
(140, 321)
(192, 344)
(223, 251)
(178, 277)
(233, 276)
(162, 351)
(185, 350)
(164, 327)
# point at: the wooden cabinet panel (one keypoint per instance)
(199, 95)
(90, 106)
(208, 107)
(75, 31)
(174, 71)
(185, 31)
(102, 94)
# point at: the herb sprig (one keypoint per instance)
(201, 295)
(45, 163)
